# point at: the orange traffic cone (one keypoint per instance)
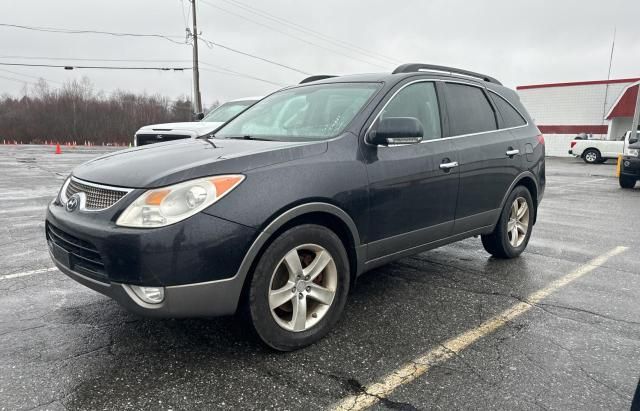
(58, 149)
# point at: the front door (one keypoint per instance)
(412, 188)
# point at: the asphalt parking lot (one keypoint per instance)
(557, 328)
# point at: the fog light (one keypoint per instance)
(151, 295)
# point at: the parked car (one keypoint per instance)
(157, 133)
(596, 151)
(277, 213)
(630, 162)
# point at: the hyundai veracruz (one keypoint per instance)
(276, 214)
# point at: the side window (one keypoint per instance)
(469, 109)
(510, 116)
(418, 100)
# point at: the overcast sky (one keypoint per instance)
(517, 42)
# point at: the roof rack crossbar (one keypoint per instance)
(316, 78)
(414, 67)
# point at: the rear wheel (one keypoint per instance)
(512, 233)
(626, 182)
(299, 287)
(591, 156)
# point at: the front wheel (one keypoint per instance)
(299, 287)
(512, 233)
(626, 182)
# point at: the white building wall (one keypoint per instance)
(570, 105)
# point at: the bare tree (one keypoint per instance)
(77, 112)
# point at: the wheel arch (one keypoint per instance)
(586, 150)
(528, 180)
(320, 213)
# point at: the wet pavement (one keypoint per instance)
(63, 346)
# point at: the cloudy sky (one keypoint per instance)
(519, 42)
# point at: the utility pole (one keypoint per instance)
(197, 104)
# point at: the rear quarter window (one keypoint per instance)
(510, 116)
(469, 110)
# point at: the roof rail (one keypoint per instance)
(414, 67)
(316, 78)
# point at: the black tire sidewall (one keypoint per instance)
(627, 182)
(260, 314)
(511, 251)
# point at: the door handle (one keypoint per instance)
(448, 166)
(512, 153)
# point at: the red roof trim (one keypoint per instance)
(579, 83)
(626, 104)
(574, 129)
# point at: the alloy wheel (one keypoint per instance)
(591, 157)
(303, 287)
(518, 224)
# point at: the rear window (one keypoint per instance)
(469, 109)
(510, 116)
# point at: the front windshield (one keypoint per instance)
(303, 113)
(227, 111)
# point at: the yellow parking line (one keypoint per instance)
(452, 347)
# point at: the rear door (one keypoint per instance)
(490, 157)
(411, 197)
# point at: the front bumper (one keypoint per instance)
(210, 299)
(196, 260)
(630, 166)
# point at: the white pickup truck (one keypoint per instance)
(157, 133)
(598, 151)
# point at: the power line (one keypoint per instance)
(244, 53)
(221, 70)
(92, 59)
(311, 32)
(26, 75)
(17, 80)
(292, 36)
(110, 33)
(71, 67)
(224, 70)
(208, 42)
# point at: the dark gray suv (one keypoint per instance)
(277, 214)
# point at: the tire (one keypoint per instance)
(275, 322)
(626, 182)
(505, 243)
(591, 156)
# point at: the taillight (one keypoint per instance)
(540, 138)
(573, 144)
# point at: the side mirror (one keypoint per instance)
(396, 130)
(633, 140)
(198, 116)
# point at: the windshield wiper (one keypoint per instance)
(248, 137)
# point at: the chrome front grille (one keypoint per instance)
(96, 197)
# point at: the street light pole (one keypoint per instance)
(197, 104)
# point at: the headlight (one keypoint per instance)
(62, 194)
(633, 152)
(168, 205)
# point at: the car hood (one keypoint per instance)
(161, 164)
(198, 127)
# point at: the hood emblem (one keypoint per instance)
(72, 203)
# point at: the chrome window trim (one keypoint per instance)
(64, 199)
(433, 80)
